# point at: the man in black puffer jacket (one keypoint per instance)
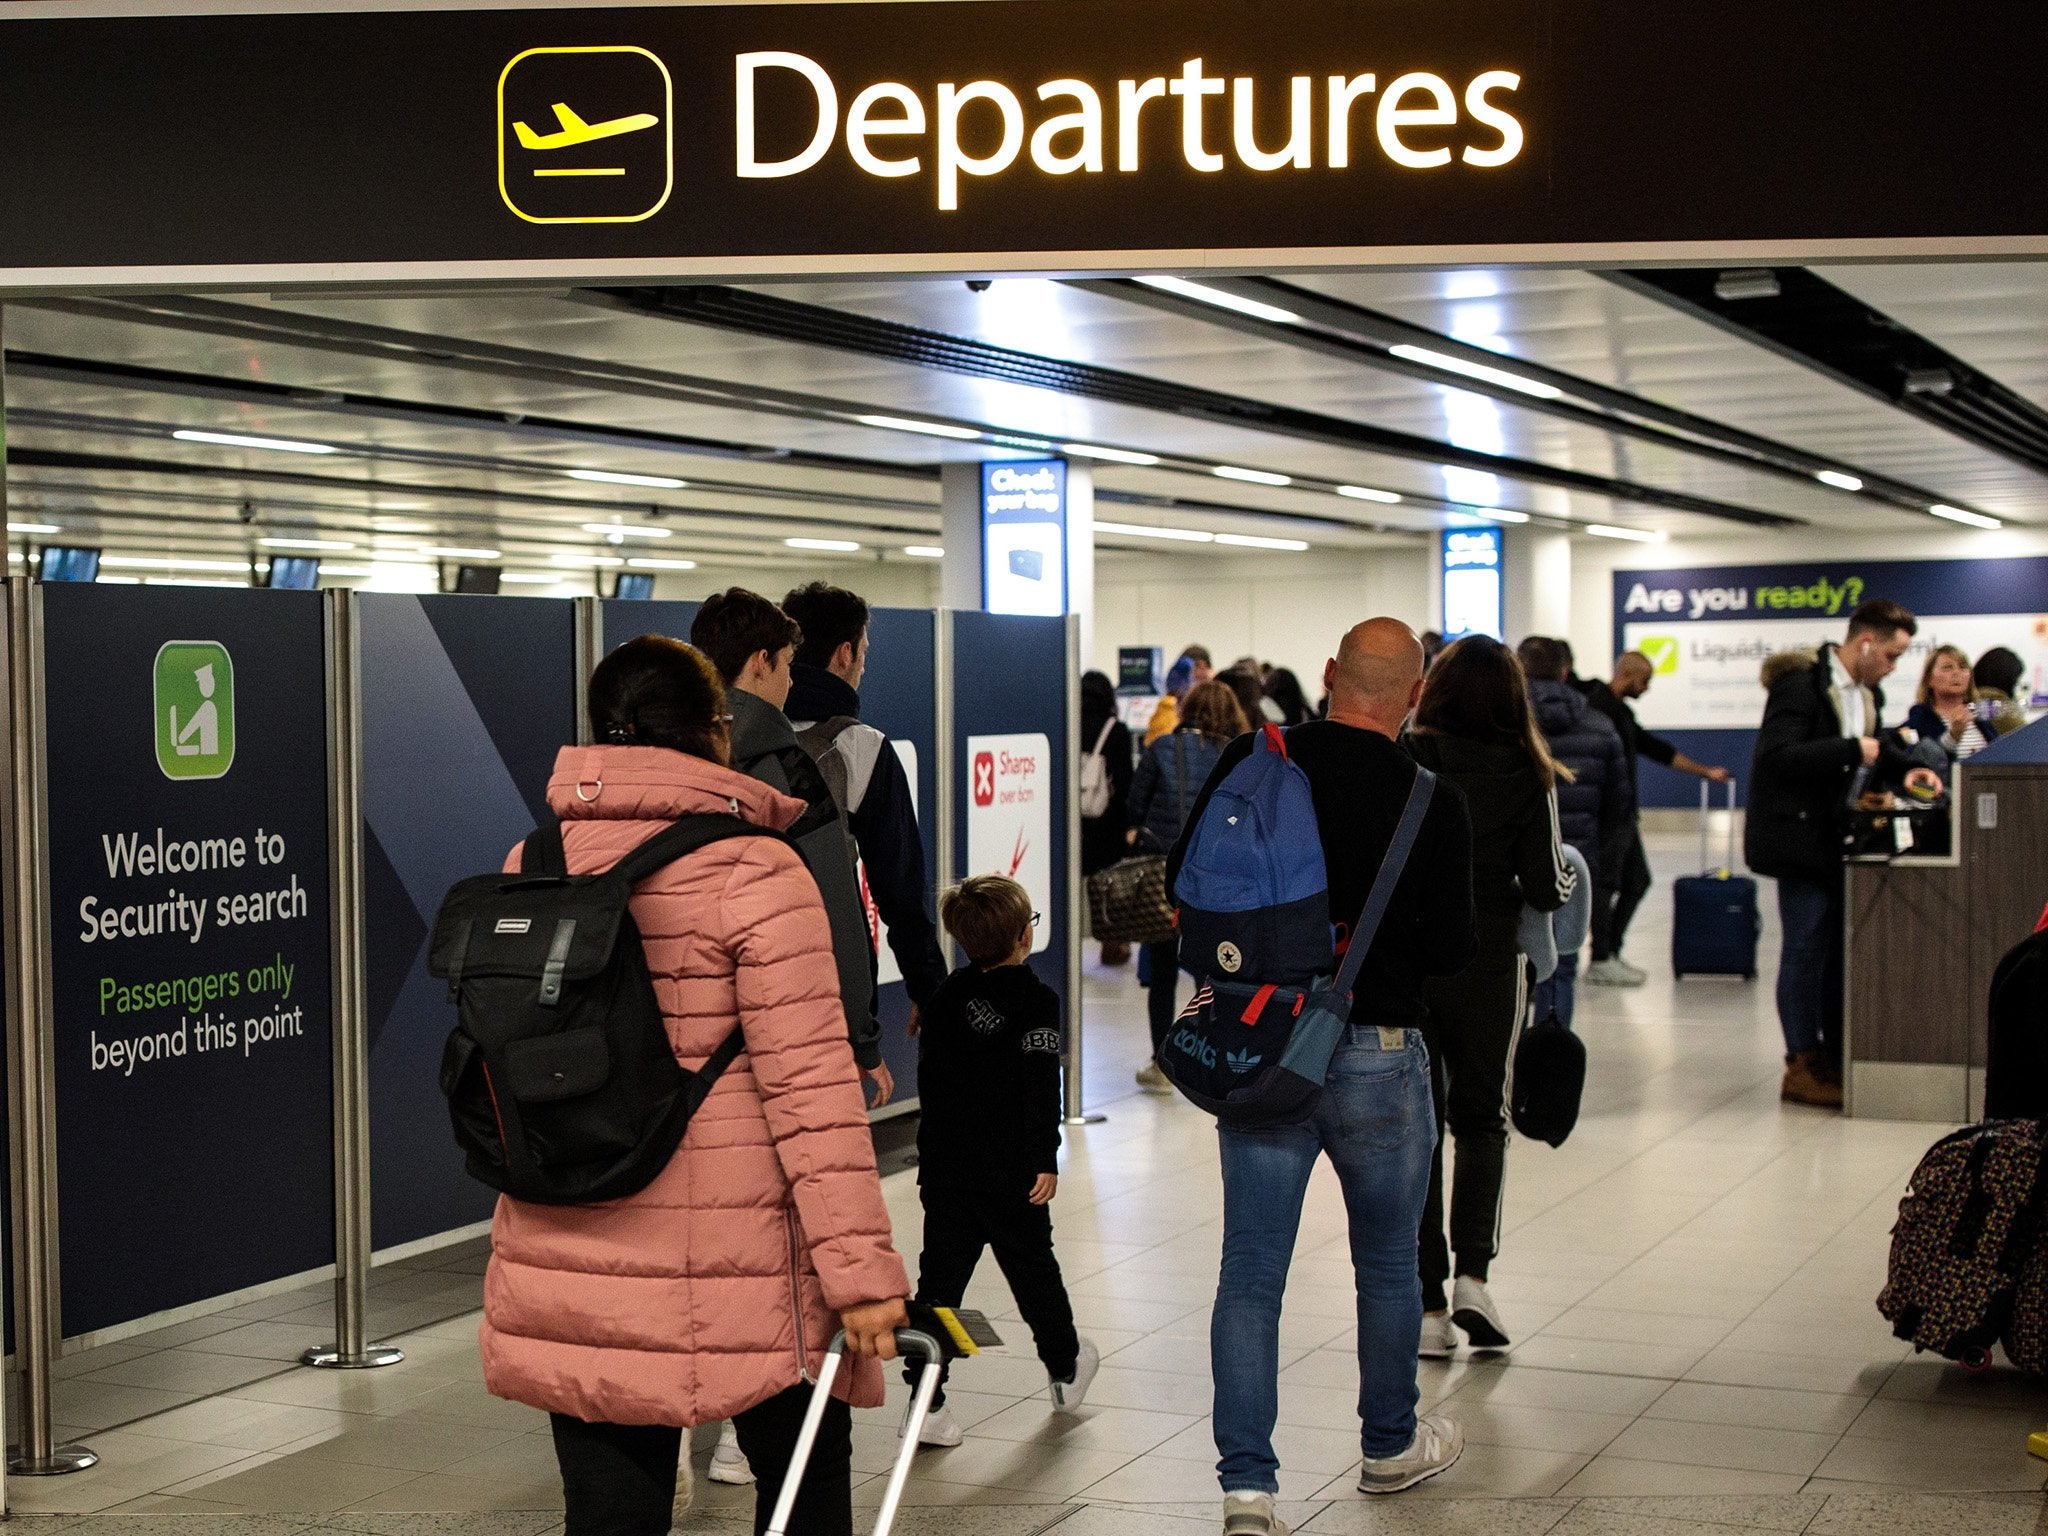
(1599, 801)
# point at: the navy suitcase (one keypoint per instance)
(1714, 918)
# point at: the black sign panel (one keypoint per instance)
(818, 134)
(189, 894)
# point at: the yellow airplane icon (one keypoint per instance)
(575, 131)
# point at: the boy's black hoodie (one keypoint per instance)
(989, 1079)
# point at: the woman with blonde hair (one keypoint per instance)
(1947, 709)
(1474, 728)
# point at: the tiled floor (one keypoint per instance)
(1690, 1278)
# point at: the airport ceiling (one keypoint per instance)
(1346, 410)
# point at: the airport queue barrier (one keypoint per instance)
(229, 818)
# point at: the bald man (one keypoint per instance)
(1375, 1121)
(1623, 878)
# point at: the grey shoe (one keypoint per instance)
(1472, 1309)
(1439, 1338)
(1437, 1445)
(1615, 972)
(1251, 1514)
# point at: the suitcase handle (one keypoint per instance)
(908, 1341)
(1706, 791)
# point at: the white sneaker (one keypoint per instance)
(1438, 1443)
(1152, 1080)
(729, 1462)
(941, 1429)
(1614, 972)
(686, 1484)
(1250, 1514)
(1067, 1396)
(1439, 1338)
(1472, 1309)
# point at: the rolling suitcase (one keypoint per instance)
(908, 1340)
(1714, 918)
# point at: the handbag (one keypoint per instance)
(1127, 902)
(1256, 1056)
(1096, 790)
(1547, 1082)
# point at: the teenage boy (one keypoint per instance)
(989, 1139)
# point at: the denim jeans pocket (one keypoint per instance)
(1375, 1101)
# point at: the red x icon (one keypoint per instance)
(984, 778)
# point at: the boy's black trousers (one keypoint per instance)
(958, 1224)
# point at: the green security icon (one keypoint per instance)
(195, 710)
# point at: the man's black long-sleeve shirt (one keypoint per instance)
(1360, 781)
(988, 1076)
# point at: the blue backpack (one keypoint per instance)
(1253, 895)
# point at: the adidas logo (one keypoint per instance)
(1190, 1044)
(1241, 1061)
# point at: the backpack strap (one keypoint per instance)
(687, 835)
(1109, 725)
(1383, 883)
(543, 853)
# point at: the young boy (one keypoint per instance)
(988, 1143)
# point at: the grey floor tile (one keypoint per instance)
(1912, 1514)
(1791, 1512)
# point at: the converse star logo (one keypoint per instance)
(1229, 957)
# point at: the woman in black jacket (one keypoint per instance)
(1474, 727)
(1102, 837)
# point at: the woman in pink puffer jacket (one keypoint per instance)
(713, 1292)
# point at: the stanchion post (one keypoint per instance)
(1077, 899)
(349, 1025)
(589, 647)
(31, 1077)
(945, 754)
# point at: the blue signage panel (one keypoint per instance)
(1024, 537)
(1471, 572)
(189, 947)
(466, 701)
(625, 619)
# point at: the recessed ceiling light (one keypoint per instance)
(646, 563)
(116, 581)
(34, 528)
(836, 546)
(926, 428)
(237, 440)
(1257, 541)
(629, 530)
(1965, 516)
(440, 553)
(343, 570)
(1254, 476)
(1838, 480)
(399, 525)
(1367, 493)
(1149, 531)
(1492, 514)
(532, 578)
(1034, 444)
(1203, 294)
(1466, 368)
(590, 562)
(1113, 455)
(620, 477)
(283, 543)
(164, 563)
(925, 551)
(1634, 535)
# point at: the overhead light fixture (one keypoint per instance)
(590, 562)
(1838, 480)
(1471, 370)
(620, 477)
(1929, 381)
(114, 581)
(1111, 455)
(924, 551)
(188, 581)
(343, 570)
(1251, 476)
(926, 428)
(1034, 444)
(649, 564)
(1746, 283)
(1202, 294)
(461, 554)
(1492, 514)
(628, 530)
(284, 543)
(1367, 493)
(166, 563)
(1258, 541)
(532, 578)
(1964, 516)
(237, 440)
(34, 528)
(1148, 531)
(833, 546)
(1634, 535)
(399, 525)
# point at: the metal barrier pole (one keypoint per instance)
(589, 649)
(944, 752)
(1077, 899)
(348, 1024)
(32, 1074)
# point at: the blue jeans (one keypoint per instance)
(1376, 1123)
(1558, 994)
(1810, 967)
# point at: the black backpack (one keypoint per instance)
(560, 1078)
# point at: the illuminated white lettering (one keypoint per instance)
(861, 123)
(1393, 117)
(746, 66)
(1509, 129)
(1192, 87)
(1342, 94)
(1300, 126)
(1087, 122)
(1131, 96)
(952, 158)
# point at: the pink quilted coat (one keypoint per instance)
(718, 1285)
